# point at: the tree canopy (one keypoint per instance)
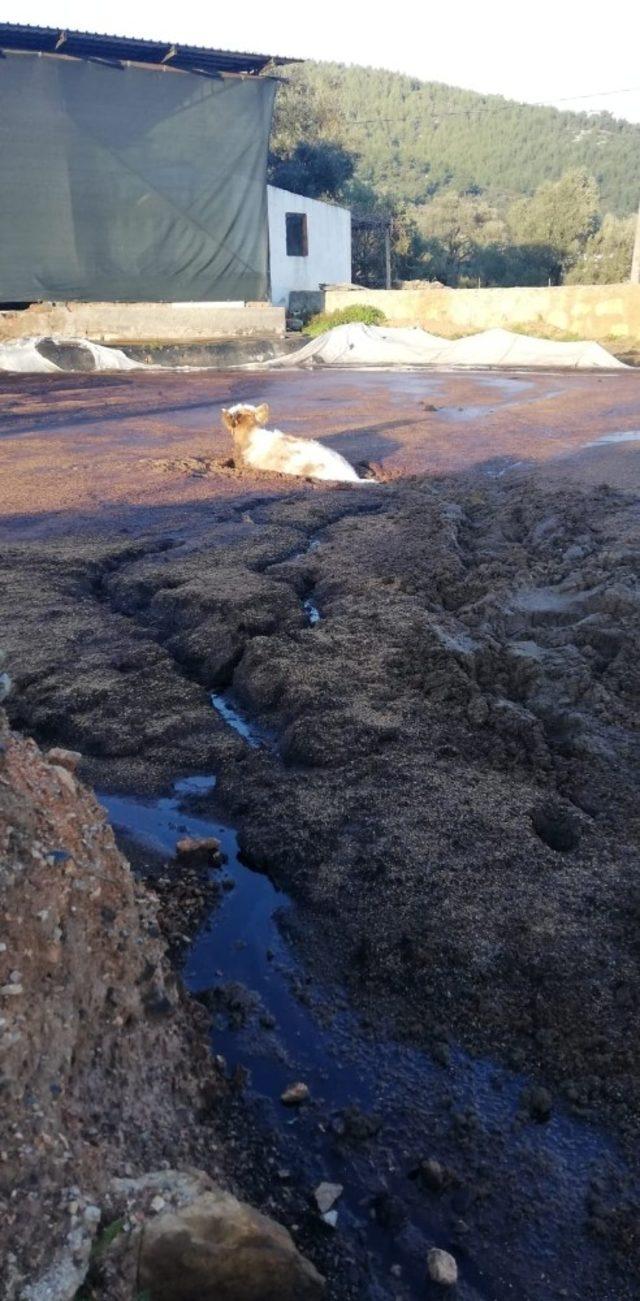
(478, 189)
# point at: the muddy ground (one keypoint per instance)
(447, 784)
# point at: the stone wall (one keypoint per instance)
(603, 312)
(118, 323)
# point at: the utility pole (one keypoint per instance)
(635, 262)
(387, 256)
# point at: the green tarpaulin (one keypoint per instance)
(131, 184)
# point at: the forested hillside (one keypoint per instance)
(479, 188)
(413, 137)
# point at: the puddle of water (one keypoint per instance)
(312, 545)
(461, 414)
(250, 731)
(312, 612)
(506, 387)
(627, 436)
(498, 468)
(511, 1253)
(507, 384)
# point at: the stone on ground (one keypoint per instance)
(63, 758)
(442, 1267)
(220, 1249)
(198, 848)
(326, 1194)
(294, 1094)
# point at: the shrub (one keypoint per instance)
(324, 321)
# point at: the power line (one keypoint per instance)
(479, 110)
(597, 94)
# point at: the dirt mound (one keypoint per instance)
(100, 1071)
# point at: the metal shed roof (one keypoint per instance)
(94, 45)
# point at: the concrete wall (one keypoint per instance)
(329, 232)
(145, 322)
(585, 311)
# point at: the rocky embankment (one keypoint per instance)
(104, 1075)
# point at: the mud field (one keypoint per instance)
(410, 715)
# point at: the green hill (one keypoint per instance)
(412, 138)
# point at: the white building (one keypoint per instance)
(309, 243)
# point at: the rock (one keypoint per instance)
(64, 758)
(65, 778)
(442, 1267)
(389, 1211)
(326, 1194)
(295, 1094)
(432, 1175)
(233, 1000)
(201, 849)
(357, 1126)
(331, 1218)
(218, 1249)
(175, 1188)
(68, 1270)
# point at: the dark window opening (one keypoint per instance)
(297, 237)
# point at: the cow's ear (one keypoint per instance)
(262, 414)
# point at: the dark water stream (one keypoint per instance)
(505, 1247)
(231, 711)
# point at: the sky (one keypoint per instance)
(576, 54)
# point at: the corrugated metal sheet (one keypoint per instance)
(94, 45)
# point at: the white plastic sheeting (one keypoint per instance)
(72, 354)
(376, 345)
